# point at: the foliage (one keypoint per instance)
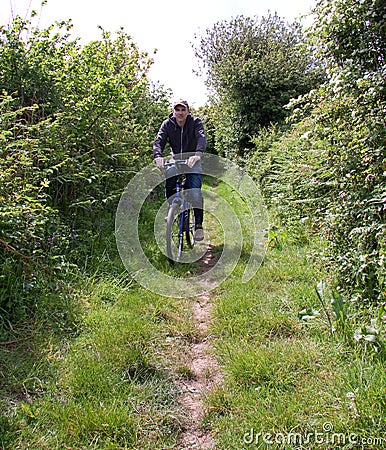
(30, 231)
(352, 33)
(254, 68)
(293, 173)
(349, 116)
(329, 169)
(76, 123)
(33, 64)
(207, 116)
(107, 125)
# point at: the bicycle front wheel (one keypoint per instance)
(189, 226)
(174, 234)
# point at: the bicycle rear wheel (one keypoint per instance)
(174, 234)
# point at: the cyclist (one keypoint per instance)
(186, 135)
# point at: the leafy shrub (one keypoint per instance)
(350, 116)
(28, 223)
(331, 166)
(75, 124)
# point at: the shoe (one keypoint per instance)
(199, 233)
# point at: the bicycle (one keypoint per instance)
(180, 220)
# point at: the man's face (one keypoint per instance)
(181, 113)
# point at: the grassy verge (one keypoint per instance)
(108, 386)
(290, 381)
(96, 369)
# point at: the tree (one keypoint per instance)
(254, 67)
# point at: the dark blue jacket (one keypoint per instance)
(190, 138)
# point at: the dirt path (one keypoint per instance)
(205, 373)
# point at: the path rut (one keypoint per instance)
(206, 373)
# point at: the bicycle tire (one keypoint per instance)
(174, 239)
(189, 228)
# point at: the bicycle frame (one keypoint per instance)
(182, 208)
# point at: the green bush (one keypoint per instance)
(331, 166)
(30, 230)
(76, 123)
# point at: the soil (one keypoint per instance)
(204, 371)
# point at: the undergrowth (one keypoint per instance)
(97, 368)
(301, 369)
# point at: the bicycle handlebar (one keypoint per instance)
(172, 162)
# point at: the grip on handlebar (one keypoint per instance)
(172, 162)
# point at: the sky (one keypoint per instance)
(170, 27)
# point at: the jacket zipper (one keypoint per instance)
(182, 132)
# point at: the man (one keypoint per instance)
(185, 134)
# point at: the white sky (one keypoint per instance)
(164, 25)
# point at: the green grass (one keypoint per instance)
(96, 367)
(284, 375)
(107, 387)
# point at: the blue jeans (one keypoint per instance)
(193, 181)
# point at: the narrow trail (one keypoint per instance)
(205, 373)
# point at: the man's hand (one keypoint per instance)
(193, 159)
(159, 162)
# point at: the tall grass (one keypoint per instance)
(93, 367)
(287, 376)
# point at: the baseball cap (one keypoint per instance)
(181, 102)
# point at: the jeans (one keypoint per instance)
(193, 181)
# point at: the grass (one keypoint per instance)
(107, 387)
(284, 375)
(96, 367)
